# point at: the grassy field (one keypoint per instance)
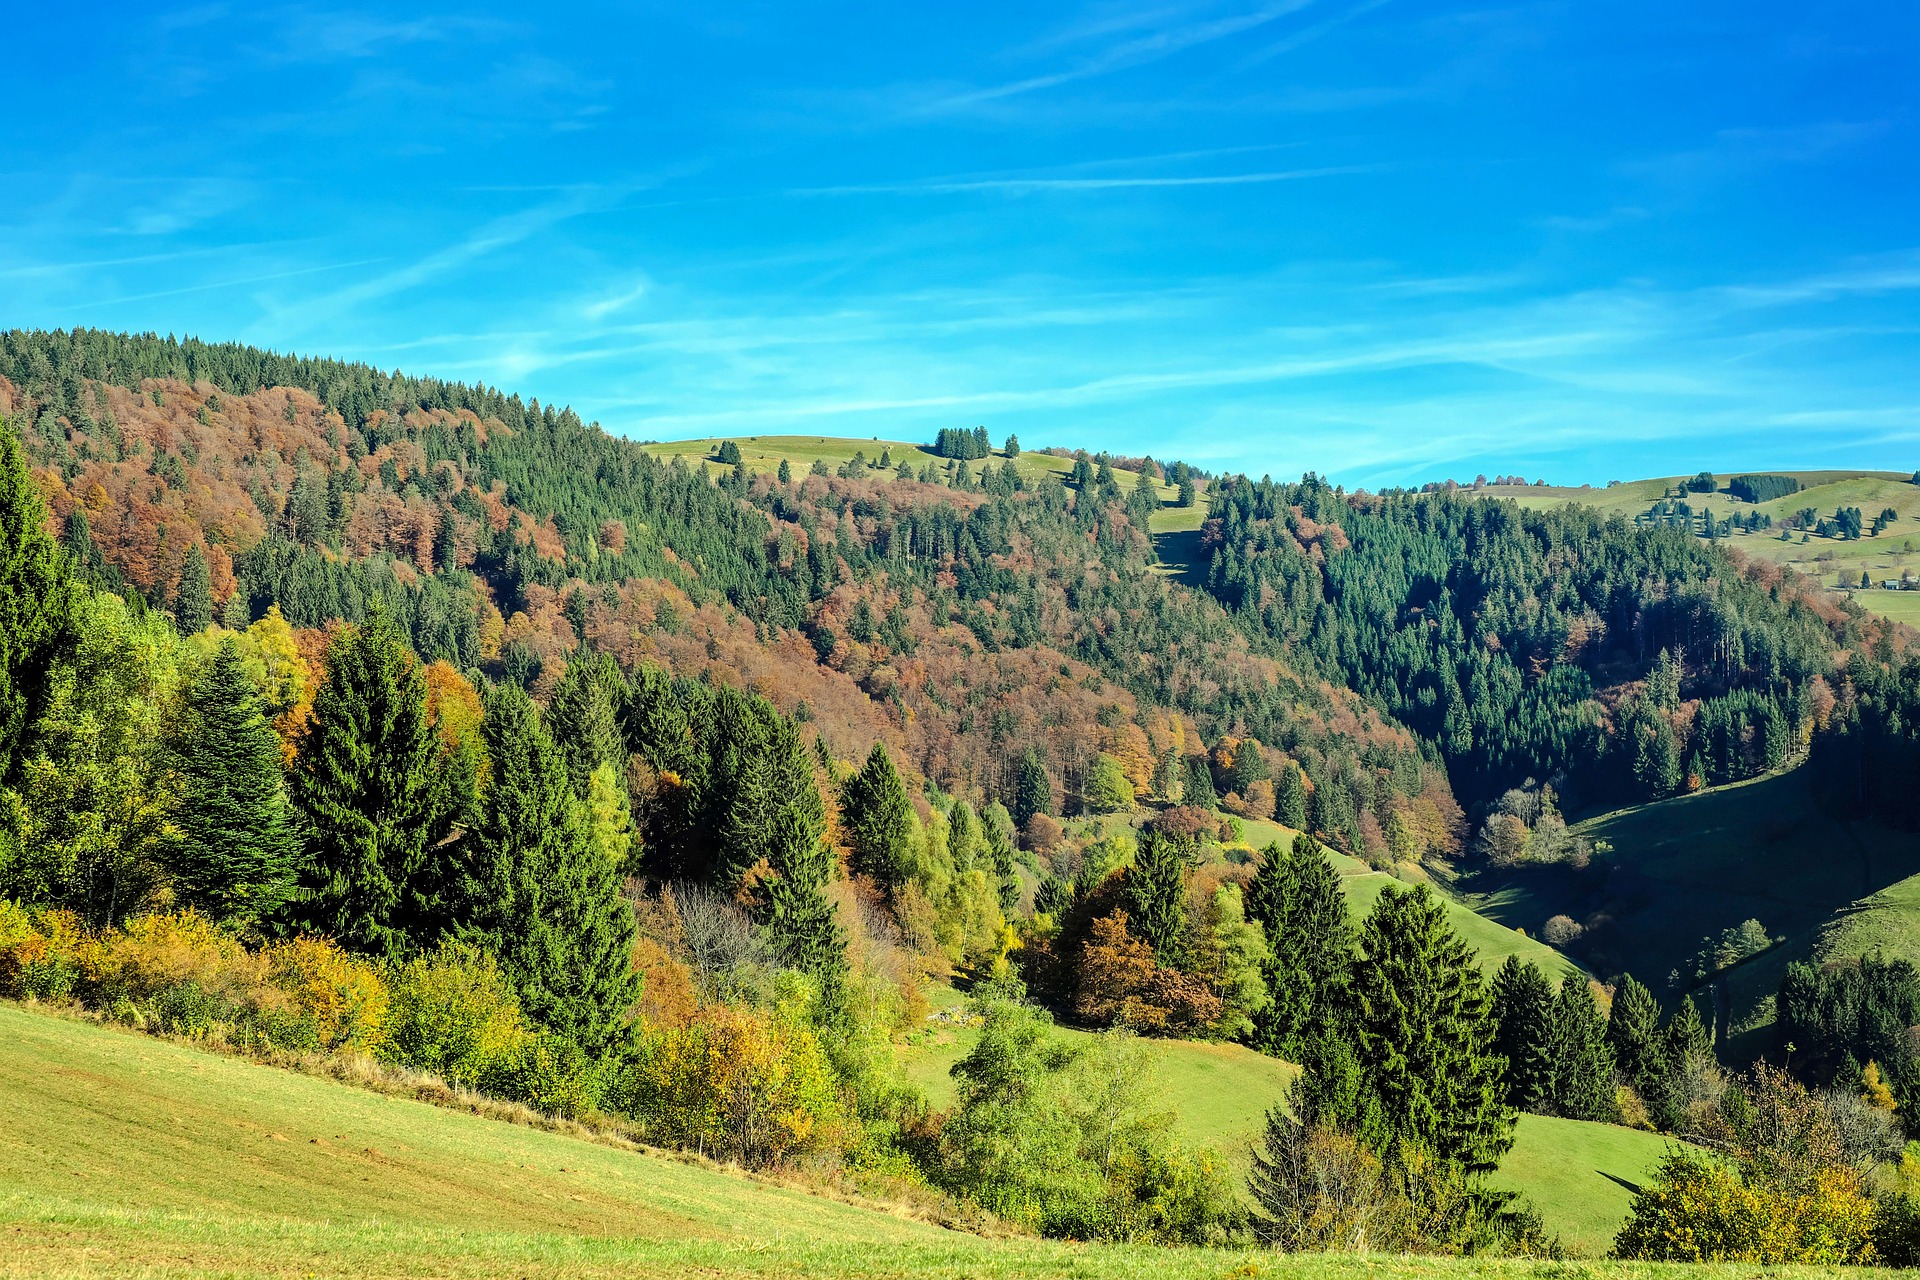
(766, 453)
(124, 1155)
(1574, 1173)
(1220, 1094)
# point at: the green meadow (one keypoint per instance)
(125, 1155)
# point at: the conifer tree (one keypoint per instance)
(1156, 892)
(1685, 1035)
(1523, 1004)
(1032, 789)
(1290, 806)
(193, 597)
(1297, 898)
(1425, 1037)
(878, 819)
(234, 857)
(375, 797)
(35, 603)
(583, 718)
(1197, 784)
(1582, 1062)
(1633, 1033)
(798, 913)
(537, 893)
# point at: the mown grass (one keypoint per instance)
(1574, 1173)
(123, 1155)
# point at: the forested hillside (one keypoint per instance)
(366, 716)
(968, 622)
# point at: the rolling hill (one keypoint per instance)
(1832, 561)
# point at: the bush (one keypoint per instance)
(737, 1083)
(1701, 1209)
(453, 1013)
(180, 974)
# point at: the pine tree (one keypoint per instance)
(1633, 1033)
(1297, 899)
(35, 603)
(1156, 892)
(876, 815)
(535, 891)
(1425, 1037)
(193, 597)
(1582, 1063)
(1290, 807)
(1685, 1035)
(376, 797)
(1032, 789)
(234, 857)
(1523, 1005)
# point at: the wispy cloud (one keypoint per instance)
(1018, 186)
(1122, 55)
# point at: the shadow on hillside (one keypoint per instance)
(1180, 558)
(1680, 871)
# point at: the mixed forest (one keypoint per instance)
(350, 713)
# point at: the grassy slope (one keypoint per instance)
(1493, 938)
(1691, 866)
(124, 1155)
(1573, 1171)
(1220, 1093)
(766, 453)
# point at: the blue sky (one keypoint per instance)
(1388, 241)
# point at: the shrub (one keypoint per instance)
(1701, 1209)
(453, 1013)
(38, 952)
(737, 1083)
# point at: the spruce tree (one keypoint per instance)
(1633, 1033)
(1197, 788)
(1582, 1063)
(376, 799)
(1524, 1009)
(1425, 1037)
(35, 603)
(583, 718)
(1032, 789)
(878, 819)
(537, 894)
(1156, 895)
(1297, 898)
(193, 597)
(798, 913)
(1685, 1035)
(234, 856)
(1290, 807)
